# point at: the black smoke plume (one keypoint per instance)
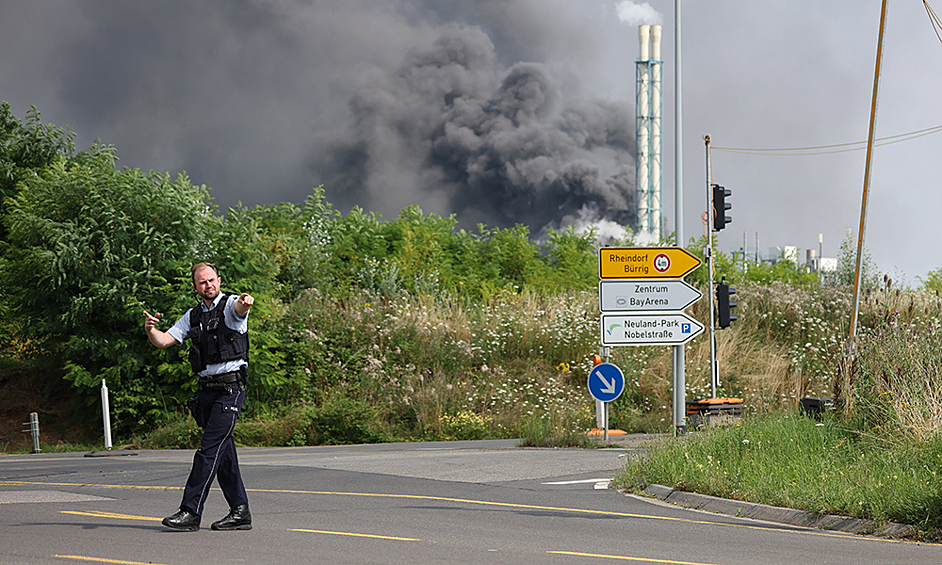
(471, 107)
(496, 145)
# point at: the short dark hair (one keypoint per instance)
(199, 267)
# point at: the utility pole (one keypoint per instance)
(847, 380)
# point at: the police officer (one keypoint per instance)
(219, 350)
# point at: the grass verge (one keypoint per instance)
(802, 463)
(61, 447)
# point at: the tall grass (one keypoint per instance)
(437, 366)
(895, 382)
(787, 343)
(797, 462)
(878, 456)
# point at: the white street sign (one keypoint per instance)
(661, 328)
(646, 295)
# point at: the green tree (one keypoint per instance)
(847, 264)
(419, 244)
(89, 247)
(281, 246)
(354, 240)
(573, 258)
(933, 280)
(784, 270)
(490, 259)
(27, 147)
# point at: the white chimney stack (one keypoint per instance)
(644, 39)
(648, 113)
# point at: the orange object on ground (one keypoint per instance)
(598, 432)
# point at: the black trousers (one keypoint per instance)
(216, 458)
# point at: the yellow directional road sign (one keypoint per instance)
(645, 262)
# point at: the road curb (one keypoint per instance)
(768, 513)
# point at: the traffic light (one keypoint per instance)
(720, 206)
(724, 304)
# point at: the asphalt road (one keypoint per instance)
(418, 503)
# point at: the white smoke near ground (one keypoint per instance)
(606, 231)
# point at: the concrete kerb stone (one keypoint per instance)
(776, 514)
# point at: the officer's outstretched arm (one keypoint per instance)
(243, 304)
(157, 337)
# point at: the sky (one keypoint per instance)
(507, 111)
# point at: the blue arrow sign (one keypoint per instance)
(606, 382)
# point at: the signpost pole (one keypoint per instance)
(605, 409)
(680, 377)
(601, 419)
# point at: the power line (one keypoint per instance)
(836, 148)
(856, 145)
(934, 19)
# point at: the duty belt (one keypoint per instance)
(220, 381)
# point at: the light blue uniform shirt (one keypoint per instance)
(234, 322)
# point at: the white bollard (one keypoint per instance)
(106, 414)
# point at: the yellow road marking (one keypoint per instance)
(505, 505)
(128, 487)
(623, 558)
(102, 560)
(352, 534)
(569, 510)
(98, 514)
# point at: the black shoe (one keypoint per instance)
(183, 520)
(238, 518)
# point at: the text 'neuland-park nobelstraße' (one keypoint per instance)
(663, 328)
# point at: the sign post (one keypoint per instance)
(606, 383)
(642, 298)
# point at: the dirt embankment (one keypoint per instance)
(24, 390)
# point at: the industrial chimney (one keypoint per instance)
(648, 131)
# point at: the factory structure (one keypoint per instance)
(648, 131)
(813, 261)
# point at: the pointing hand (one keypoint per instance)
(150, 322)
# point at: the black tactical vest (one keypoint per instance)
(211, 340)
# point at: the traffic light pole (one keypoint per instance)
(708, 251)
